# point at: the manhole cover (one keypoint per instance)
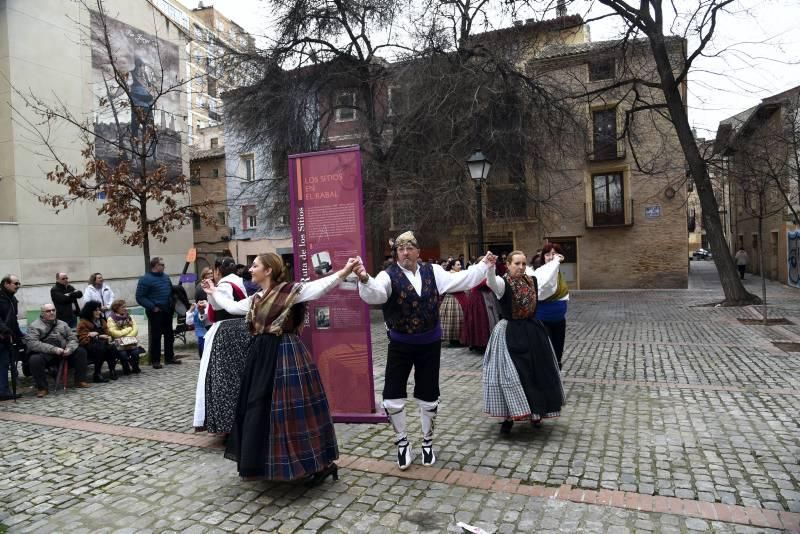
(770, 322)
(787, 346)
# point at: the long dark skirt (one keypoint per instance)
(225, 367)
(533, 357)
(283, 429)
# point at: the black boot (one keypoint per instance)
(98, 378)
(126, 367)
(112, 374)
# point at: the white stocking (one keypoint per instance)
(428, 411)
(396, 411)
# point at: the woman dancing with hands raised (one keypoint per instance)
(283, 428)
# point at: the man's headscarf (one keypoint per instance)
(404, 239)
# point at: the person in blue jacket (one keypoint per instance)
(552, 310)
(154, 294)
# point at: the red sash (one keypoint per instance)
(238, 295)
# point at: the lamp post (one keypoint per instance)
(479, 166)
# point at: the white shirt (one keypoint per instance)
(230, 280)
(308, 291)
(378, 290)
(546, 278)
(104, 295)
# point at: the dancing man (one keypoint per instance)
(409, 292)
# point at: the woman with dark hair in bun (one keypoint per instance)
(552, 308)
(283, 428)
(224, 354)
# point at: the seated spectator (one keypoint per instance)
(123, 330)
(99, 291)
(94, 337)
(50, 340)
(65, 297)
(198, 316)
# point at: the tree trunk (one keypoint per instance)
(761, 269)
(145, 237)
(735, 293)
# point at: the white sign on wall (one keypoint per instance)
(652, 212)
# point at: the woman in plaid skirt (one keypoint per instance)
(521, 379)
(283, 428)
(452, 310)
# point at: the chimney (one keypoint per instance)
(517, 23)
(561, 8)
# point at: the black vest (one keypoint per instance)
(407, 311)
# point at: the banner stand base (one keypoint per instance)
(359, 418)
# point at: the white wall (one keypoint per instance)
(44, 50)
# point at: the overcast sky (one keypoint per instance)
(759, 44)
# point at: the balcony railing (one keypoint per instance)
(610, 152)
(609, 218)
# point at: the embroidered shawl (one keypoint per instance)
(523, 296)
(275, 312)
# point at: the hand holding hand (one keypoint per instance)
(361, 273)
(348, 268)
(93, 334)
(489, 259)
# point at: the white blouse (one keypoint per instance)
(308, 291)
(546, 278)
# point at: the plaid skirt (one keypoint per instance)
(451, 317)
(503, 395)
(283, 429)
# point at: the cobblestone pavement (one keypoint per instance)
(680, 418)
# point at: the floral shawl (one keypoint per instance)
(273, 312)
(523, 295)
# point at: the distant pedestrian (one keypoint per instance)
(65, 297)
(154, 294)
(99, 291)
(741, 261)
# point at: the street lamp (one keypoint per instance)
(479, 166)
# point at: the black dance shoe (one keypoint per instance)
(505, 426)
(319, 477)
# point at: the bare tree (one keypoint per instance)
(133, 165)
(652, 20)
(417, 116)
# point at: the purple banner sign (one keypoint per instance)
(328, 228)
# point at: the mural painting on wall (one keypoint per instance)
(146, 67)
(793, 257)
